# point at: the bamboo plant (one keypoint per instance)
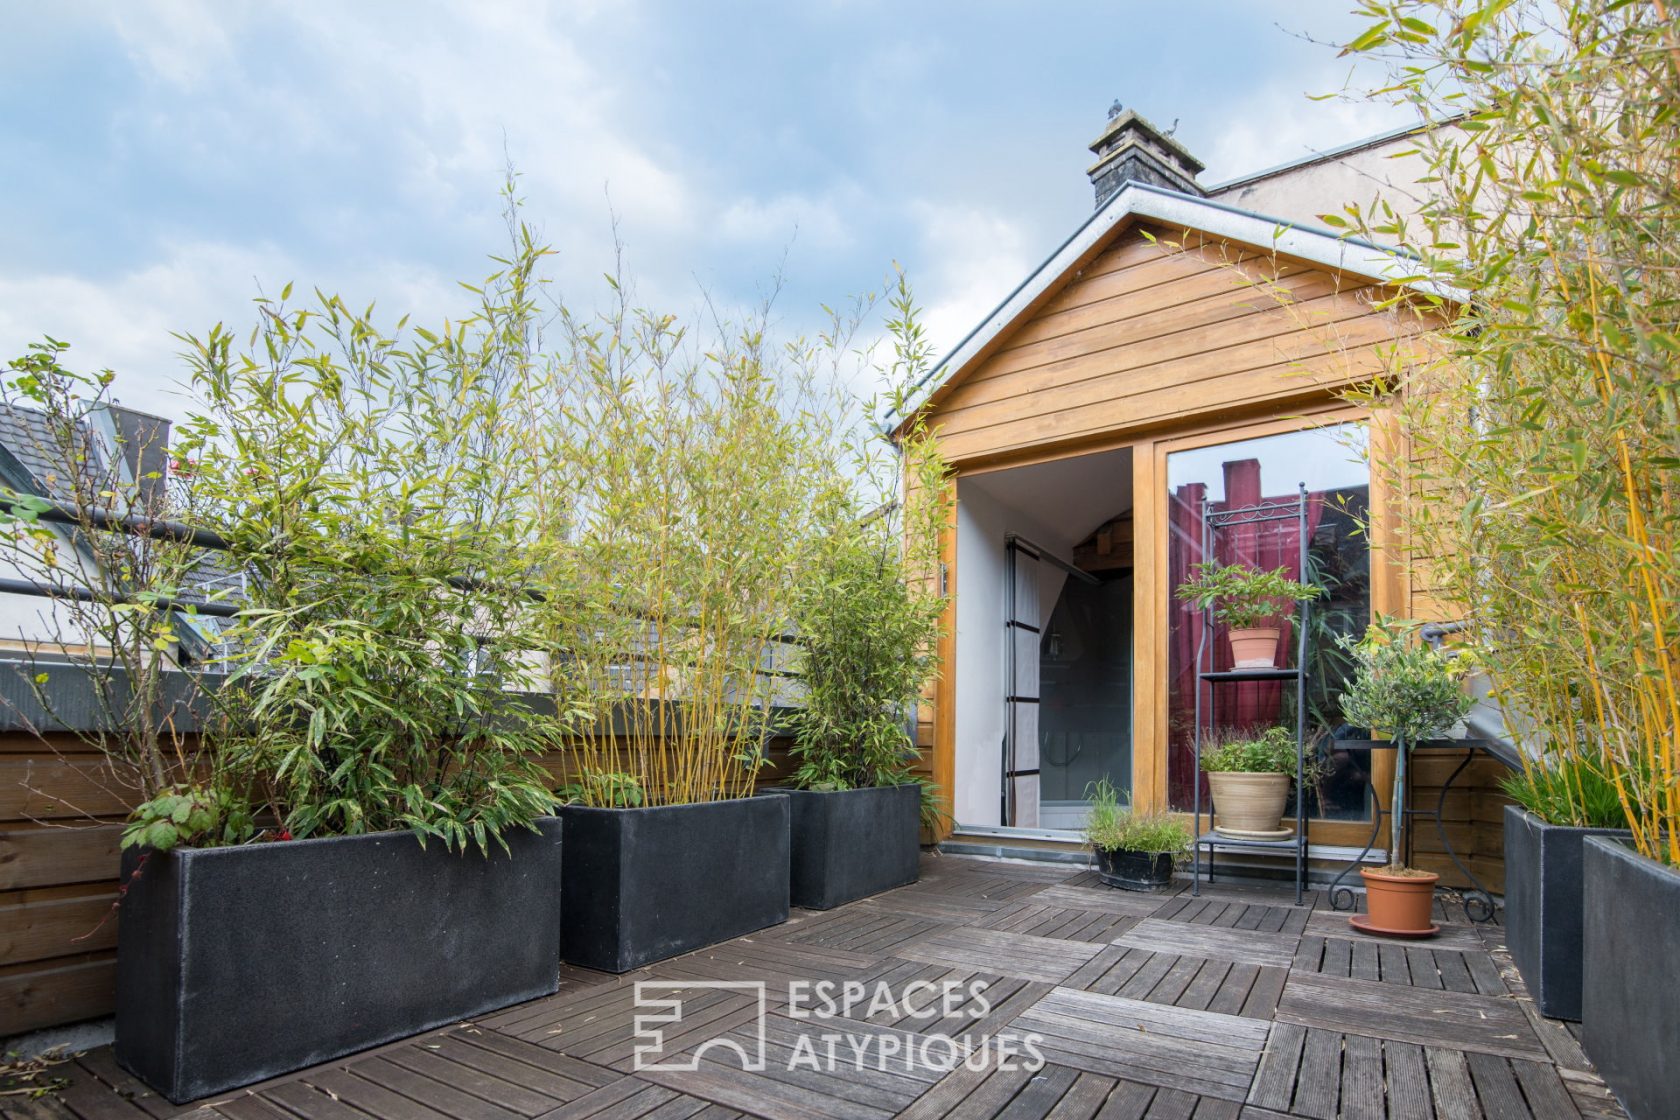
(1542, 483)
(681, 476)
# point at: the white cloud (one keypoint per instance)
(180, 42)
(978, 256)
(818, 223)
(1277, 123)
(125, 323)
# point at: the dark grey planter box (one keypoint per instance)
(1630, 990)
(853, 843)
(641, 885)
(1135, 871)
(1543, 916)
(239, 964)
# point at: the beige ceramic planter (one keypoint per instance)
(1248, 802)
(1254, 649)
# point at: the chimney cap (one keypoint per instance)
(1131, 149)
(1119, 120)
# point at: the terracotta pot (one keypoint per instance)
(1254, 649)
(1399, 903)
(1249, 802)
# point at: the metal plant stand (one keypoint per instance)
(1212, 522)
(1478, 903)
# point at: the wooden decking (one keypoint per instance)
(1234, 1006)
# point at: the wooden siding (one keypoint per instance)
(60, 814)
(60, 821)
(1154, 333)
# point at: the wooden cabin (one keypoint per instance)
(1179, 354)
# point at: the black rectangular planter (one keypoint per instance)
(1543, 919)
(850, 844)
(239, 964)
(1630, 990)
(641, 885)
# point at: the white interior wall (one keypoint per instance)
(983, 524)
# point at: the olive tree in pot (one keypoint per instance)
(1249, 773)
(868, 617)
(1134, 853)
(1248, 602)
(1410, 691)
(359, 859)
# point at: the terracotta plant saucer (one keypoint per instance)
(1251, 834)
(1362, 923)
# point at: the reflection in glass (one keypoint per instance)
(1266, 471)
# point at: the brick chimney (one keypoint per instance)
(1131, 150)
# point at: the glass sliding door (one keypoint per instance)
(1266, 470)
(1085, 691)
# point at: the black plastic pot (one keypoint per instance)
(641, 885)
(1543, 915)
(1630, 989)
(853, 843)
(239, 964)
(1135, 871)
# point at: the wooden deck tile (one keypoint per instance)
(1484, 1024)
(1101, 900)
(1454, 936)
(1012, 954)
(1184, 939)
(1207, 1053)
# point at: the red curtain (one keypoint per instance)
(1266, 545)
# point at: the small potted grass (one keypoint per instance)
(1410, 691)
(1135, 852)
(1248, 602)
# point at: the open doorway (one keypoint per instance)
(1044, 699)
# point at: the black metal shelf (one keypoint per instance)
(1211, 838)
(1238, 675)
(1213, 520)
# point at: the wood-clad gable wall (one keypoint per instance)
(1159, 335)
(1157, 329)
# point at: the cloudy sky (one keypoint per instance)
(165, 160)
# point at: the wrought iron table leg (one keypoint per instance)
(1344, 897)
(1478, 903)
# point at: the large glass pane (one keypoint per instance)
(1264, 472)
(1085, 690)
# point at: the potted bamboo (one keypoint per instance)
(684, 493)
(355, 857)
(1248, 773)
(1410, 691)
(1561, 799)
(1133, 852)
(867, 638)
(1248, 602)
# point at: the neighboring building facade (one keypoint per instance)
(1187, 350)
(120, 449)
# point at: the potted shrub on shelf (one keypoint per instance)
(1249, 772)
(1133, 852)
(1248, 602)
(358, 858)
(1561, 799)
(867, 632)
(1410, 691)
